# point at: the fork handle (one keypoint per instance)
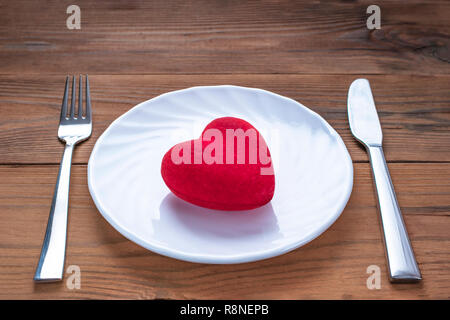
(51, 261)
(402, 264)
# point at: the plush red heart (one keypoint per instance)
(227, 168)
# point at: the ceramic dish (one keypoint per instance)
(313, 172)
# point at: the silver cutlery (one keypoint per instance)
(74, 126)
(366, 128)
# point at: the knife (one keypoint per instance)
(366, 128)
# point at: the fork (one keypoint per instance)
(74, 127)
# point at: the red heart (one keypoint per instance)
(234, 175)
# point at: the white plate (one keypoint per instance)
(313, 173)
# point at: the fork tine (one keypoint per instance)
(88, 101)
(64, 102)
(72, 103)
(80, 98)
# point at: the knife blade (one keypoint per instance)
(365, 127)
(362, 114)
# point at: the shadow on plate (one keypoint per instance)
(257, 223)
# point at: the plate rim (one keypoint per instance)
(213, 259)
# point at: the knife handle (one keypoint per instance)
(402, 264)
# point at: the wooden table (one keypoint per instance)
(310, 51)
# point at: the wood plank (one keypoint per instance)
(414, 110)
(280, 36)
(330, 267)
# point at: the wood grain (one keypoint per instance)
(414, 110)
(330, 267)
(272, 36)
(306, 50)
